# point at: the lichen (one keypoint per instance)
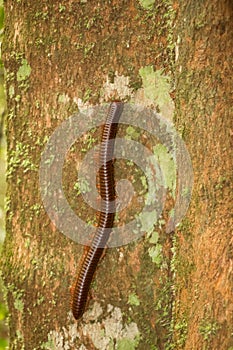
(156, 89)
(133, 299)
(24, 71)
(20, 157)
(118, 88)
(168, 167)
(102, 334)
(155, 253)
(147, 4)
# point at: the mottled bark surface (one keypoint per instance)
(56, 53)
(204, 309)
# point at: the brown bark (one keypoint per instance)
(204, 115)
(56, 53)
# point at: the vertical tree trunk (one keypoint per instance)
(203, 308)
(59, 56)
(56, 54)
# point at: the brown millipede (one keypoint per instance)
(107, 213)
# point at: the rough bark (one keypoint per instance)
(203, 308)
(56, 53)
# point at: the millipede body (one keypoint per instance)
(107, 212)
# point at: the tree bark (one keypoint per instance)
(58, 54)
(203, 308)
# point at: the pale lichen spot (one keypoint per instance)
(119, 89)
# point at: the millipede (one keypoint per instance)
(107, 192)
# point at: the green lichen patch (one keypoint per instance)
(82, 186)
(133, 299)
(146, 221)
(208, 329)
(127, 344)
(181, 330)
(20, 157)
(24, 71)
(132, 133)
(147, 4)
(168, 167)
(154, 237)
(19, 305)
(156, 86)
(156, 255)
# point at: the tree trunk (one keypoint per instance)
(164, 291)
(203, 309)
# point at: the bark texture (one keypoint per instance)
(54, 54)
(203, 312)
(58, 52)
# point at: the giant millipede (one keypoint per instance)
(107, 212)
